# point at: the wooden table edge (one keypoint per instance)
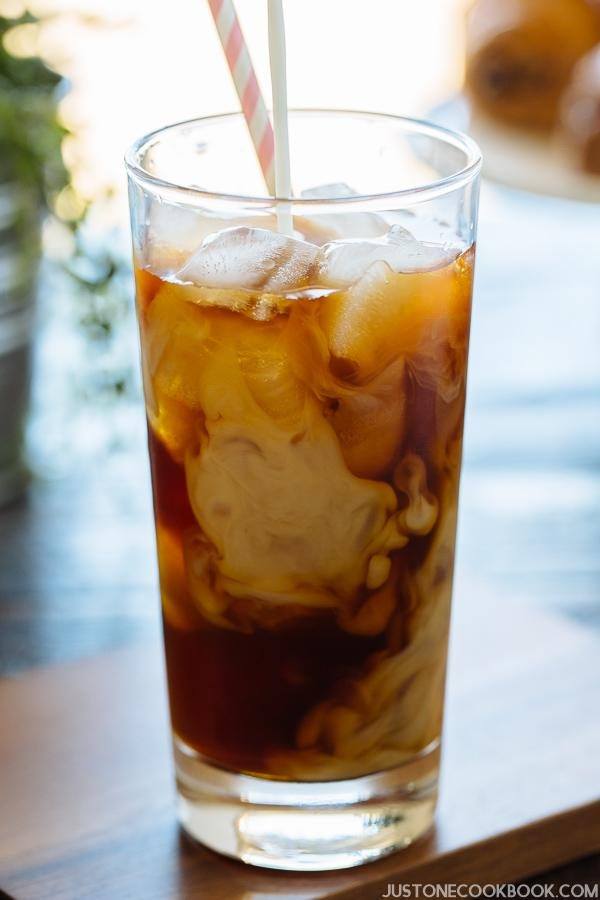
(557, 839)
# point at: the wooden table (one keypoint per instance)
(85, 783)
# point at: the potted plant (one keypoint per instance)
(31, 174)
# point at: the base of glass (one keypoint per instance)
(306, 826)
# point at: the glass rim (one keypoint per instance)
(428, 190)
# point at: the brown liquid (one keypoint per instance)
(244, 674)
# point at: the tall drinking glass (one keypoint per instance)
(305, 397)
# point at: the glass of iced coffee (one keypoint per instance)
(305, 397)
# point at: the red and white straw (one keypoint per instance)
(246, 85)
(277, 55)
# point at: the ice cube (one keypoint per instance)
(343, 263)
(331, 191)
(172, 233)
(252, 258)
(343, 225)
(173, 225)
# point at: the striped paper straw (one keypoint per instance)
(277, 54)
(246, 85)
